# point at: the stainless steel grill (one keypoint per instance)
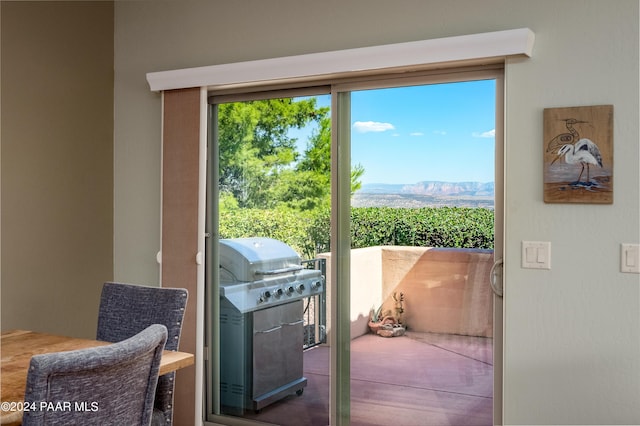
(262, 285)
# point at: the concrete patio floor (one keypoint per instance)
(419, 379)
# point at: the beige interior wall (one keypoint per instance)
(56, 164)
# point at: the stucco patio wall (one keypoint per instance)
(445, 290)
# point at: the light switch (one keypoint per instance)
(531, 253)
(536, 254)
(542, 255)
(630, 258)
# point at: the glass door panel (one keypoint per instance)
(269, 207)
(423, 168)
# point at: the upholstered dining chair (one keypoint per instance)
(105, 385)
(125, 309)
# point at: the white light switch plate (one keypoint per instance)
(536, 254)
(630, 258)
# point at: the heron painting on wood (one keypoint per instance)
(578, 154)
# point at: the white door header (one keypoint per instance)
(341, 63)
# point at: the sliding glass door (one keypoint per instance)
(295, 167)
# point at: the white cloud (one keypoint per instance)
(372, 126)
(417, 134)
(439, 132)
(488, 134)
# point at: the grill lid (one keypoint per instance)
(250, 259)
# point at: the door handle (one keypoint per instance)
(292, 268)
(495, 278)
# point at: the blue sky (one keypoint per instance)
(439, 132)
(442, 132)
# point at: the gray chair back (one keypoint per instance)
(125, 309)
(105, 385)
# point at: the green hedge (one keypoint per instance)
(285, 225)
(308, 233)
(424, 227)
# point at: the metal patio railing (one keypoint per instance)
(315, 309)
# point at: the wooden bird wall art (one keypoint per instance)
(578, 154)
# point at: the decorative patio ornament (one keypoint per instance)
(388, 323)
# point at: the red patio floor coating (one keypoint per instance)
(420, 379)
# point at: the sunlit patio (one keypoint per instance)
(439, 373)
(416, 379)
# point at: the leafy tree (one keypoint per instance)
(259, 164)
(317, 160)
(254, 145)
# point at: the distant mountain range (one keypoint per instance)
(435, 188)
(426, 194)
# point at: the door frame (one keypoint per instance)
(339, 406)
(440, 53)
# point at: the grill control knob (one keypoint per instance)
(316, 285)
(289, 290)
(266, 295)
(300, 287)
(278, 292)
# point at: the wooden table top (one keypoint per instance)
(18, 346)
